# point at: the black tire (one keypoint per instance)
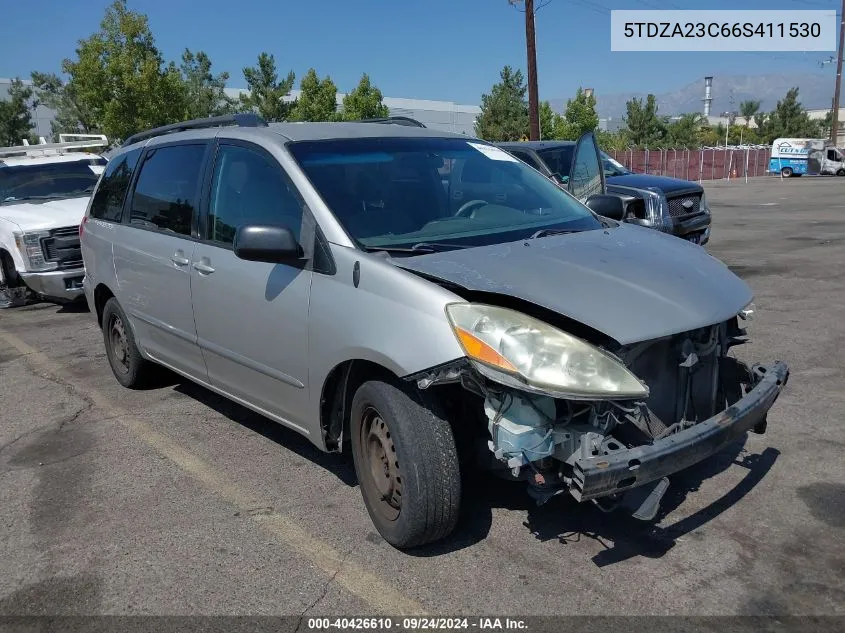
(127, 364)
(840, 172)
(8, 275)
(412, 445)
(786, 172)
(13, 291)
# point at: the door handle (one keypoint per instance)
(205, 269)
(179, 259)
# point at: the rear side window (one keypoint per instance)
(167, 190)
(108, 200)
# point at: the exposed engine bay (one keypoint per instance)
(601, 449)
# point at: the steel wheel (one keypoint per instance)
(382, 476)
(119, 344)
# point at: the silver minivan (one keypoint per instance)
(426, 301)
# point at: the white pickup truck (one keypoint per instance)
(44, 190)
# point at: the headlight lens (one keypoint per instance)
(540, 355)
(657, 208)
(29, 244)
(703, 207)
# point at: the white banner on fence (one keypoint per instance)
(723, 30)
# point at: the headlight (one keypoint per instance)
(703, 207)
(511, 344)
(657, 210)
(29, 244)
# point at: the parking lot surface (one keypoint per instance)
(175, 501)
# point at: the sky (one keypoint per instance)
(449, 50)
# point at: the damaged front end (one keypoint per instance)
(598, 423)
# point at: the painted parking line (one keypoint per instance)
(354, 578)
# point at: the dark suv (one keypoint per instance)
(667, 204)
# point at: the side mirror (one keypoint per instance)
(607, 205)
(270, 244)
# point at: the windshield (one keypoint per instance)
(49, 181)
(435, 192)
(612, 167)
(558, 159)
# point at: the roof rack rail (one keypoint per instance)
(85, 141)
(245, 119)
(395, 120)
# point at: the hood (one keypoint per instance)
(52, 214)
(630, 283)
(664, 183)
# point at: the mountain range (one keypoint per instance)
(815, 92)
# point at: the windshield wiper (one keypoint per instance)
(419, 247)
(51, 196)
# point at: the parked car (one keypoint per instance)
(667, 204)
(799, 156)
(44, 190)
(420, 298)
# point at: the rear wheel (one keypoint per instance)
(407, 465)
(786, 172)
(840, 172)
(127, 364)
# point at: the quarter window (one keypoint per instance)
(166, 194)
(250, 188)
(108, 201)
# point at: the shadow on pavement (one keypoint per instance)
(339, 465)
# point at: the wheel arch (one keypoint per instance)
(336, 394)
(102, 293)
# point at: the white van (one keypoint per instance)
(799, 156)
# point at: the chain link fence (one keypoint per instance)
(707, 163)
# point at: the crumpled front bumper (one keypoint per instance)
(611, 474)
(56, 284)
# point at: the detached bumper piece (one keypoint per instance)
(611, 474)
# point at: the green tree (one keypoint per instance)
(790, 119)
(15, 115)
(204, 92)
(549, 121)
(748, 109)
(72, 116)
(612, 140)
(364, 102)
(504, 112)
(317, 100)
(643, 127)
(580, 116)
(266, 93)
(685, 131)
(119, 78)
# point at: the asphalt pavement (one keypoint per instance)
(175, 501)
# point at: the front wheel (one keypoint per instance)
(840, 172)
(407, 465)
(786, 172)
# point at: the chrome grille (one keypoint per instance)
(677, 206)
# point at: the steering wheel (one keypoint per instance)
(468, 207)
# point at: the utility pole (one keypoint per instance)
(531, 47)
(533, 103)
(834, 122)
